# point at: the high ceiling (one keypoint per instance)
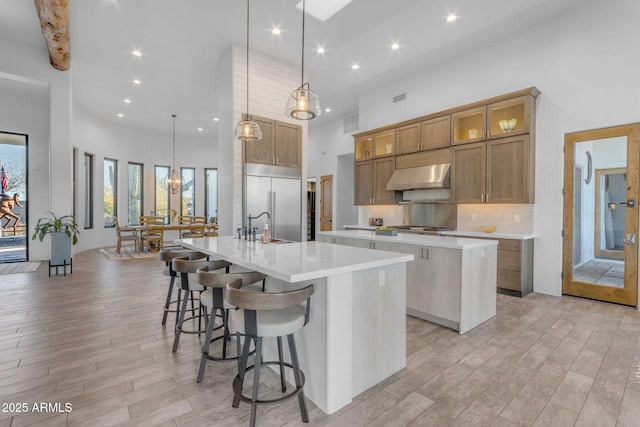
(181, 42)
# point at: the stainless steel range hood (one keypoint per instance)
(422, 177)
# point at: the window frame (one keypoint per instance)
(182, 187)
(208, 214)
(88, 165)
(135, 221)
(115, 189)
(163, 184)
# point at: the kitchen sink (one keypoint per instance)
(280, 241)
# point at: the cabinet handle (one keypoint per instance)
(372, 245)
(333, 240)
(425, 253)
(482, 198)
(487, 198)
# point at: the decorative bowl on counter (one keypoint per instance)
(508, 125)
(488, 228)
(386, 231)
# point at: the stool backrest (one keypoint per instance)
(168, 256)
(209, 278)
(252, 300)
(184, 265)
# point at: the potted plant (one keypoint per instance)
(64, 231)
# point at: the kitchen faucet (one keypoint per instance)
(256, 217)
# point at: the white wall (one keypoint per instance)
(583, 63)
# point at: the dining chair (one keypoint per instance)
(152, 232)
(125, 236)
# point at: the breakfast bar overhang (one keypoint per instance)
(356, 335)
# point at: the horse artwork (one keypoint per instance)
(6, 206)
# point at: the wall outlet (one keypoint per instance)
(381, 278)
(474, 217)
(516, 218)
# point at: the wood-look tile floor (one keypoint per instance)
(94, 340)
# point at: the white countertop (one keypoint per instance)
(294, 261)
(359, 227)
(414, 239)
(494, 235)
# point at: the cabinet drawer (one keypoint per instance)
(509, 260)
(507, 279)
(510, 245)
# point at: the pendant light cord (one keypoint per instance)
(302, 72)
(247, 118)
(173, 164)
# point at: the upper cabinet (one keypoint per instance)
(490, 144)
(281, 144)
(469, 125)
(510, 117)
(427, 135)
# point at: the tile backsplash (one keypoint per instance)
(510, 218)
(390, 214)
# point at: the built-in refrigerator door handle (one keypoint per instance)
(274, 227)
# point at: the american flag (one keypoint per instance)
(5, 181)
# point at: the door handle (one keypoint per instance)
(630, 239)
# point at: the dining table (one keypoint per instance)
(137, 229)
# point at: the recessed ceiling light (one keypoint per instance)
(327, 110)
(275, 31)
(137, 82)
(136, 53)
(127, 101)
(200, 129)
(120, 115)
(320, 50)
(215, 119)
(395, 46)
(452, 17)
(355, 66)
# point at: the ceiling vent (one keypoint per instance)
(351, 123)
(400, 97)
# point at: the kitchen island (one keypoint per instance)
(451, 281)
(356, 335)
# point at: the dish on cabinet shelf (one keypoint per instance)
(488, 228)
(508, 125)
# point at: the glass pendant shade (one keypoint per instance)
(174, 182)
(303, 104)
(248, 130)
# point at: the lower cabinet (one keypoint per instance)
(455, 288)
(515, 267)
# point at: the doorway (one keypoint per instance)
(13, 197)
(600, 220)
(326, 203)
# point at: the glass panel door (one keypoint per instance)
(13, 197)
(600, 253)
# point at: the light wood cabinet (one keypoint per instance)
(363, 148)
(281, 144)
(436, 133)
(496, 171)
(518, 111)
(469, 126)
(408, 139)
(384, 143)
(363, 183)
(261, 151)
(370, 186)
(288, 145)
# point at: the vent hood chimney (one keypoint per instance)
(420, 178)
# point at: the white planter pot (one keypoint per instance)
(60, 248)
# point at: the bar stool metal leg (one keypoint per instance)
(256, 381)
(183, 310)
(298, 378)
(167, 304)
(283, 384)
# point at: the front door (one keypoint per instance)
(600, 224)
(326, 203)
(13, 197)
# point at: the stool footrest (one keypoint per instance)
(237, 386)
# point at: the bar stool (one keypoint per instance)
(213, 301)
(167, 256)
(267, 314)
(184, 267)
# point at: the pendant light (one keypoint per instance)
(303, 103)
(174, 181)
(247, 129)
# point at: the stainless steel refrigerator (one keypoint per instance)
(280, 197)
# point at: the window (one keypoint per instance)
(162, 200)
(135, 193)
(88, 190)
(187, 192)
(211, 194)
(110, 191)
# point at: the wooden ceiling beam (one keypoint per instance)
(54, 21)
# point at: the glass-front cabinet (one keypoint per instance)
(363, 148)
(384, 143)
(469, 126)
(509, 117)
